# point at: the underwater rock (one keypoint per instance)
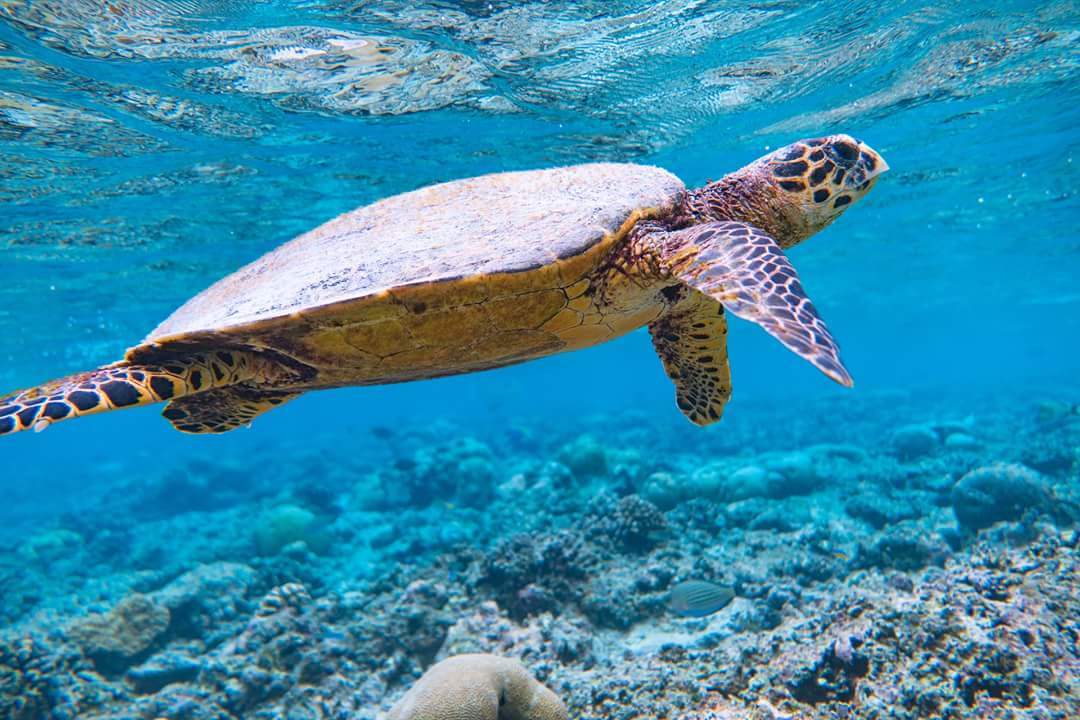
(180, 700)
(550, 480)
(699, 515)
(478, 687)
(202, 601)
(585, 457)
(962, 442)
(832, 676)
(283, 525)
(422, 616)
(779, 519)
(556, 562)
(620, 596)
(629, 524)
(32, 675)
(461, 472)
(545, 639)
(389, 628)
(274, 657)
(791, 473)
(117, 639)
(906, 547)
(746, 482)
(742, 513)
(1051, 454)
(878, 510)
(838, 451)
(901, 582)
(1053, 413)
(664, 490)
(476, 481)
(772, 475)
(534, 599)
(1002, 491)
(912, 442)
(312, 490)
(945, 428)
(50, 545)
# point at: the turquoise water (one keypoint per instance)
(149, 151)
(148, 148)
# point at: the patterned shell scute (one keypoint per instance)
(508, 222)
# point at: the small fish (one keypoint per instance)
(697, 598)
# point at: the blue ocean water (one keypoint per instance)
(148, 148)
(152, 150)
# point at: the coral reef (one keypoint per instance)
(854, 579)
(629, 524)
(284, 525)
(116, 639)
(478, 687)
(1003, 491)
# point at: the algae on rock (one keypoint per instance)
(121, 637)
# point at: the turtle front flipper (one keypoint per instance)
(743, 268)
(124, 385)
(691, 340)
(219, 411)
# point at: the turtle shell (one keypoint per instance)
(503, 223)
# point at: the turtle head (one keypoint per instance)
(813, 181)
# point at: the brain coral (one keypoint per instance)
(478, 687)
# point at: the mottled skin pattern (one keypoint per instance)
(672, 268)
(742, 268)
(478, 687)
(119, 386)
(691, 340)
(223, 409)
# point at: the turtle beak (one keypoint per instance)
(871, 162)
(863, 167)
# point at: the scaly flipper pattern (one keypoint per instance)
(743, 268)
(224, 409)
(691, 340)
(121, 385)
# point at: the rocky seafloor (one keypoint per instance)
(892, 557)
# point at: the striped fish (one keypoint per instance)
(697, 598)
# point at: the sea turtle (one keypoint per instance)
(489, 271)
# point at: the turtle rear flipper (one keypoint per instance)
(744, 269)
(124, 385)
(691, 340)
(218, 411)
